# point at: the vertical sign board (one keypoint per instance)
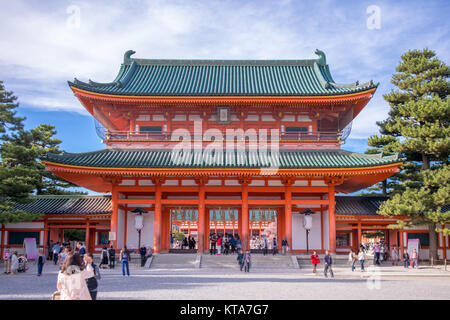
(30, 248)
(112, 236)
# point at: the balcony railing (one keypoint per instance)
(129, 136)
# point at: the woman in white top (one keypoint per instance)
(14, 263)
(72, 279)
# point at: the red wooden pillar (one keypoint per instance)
(402, 245)
(158, 219)
(245, 217)
(2, 243)
(201, 230)
(114, 214)
(288, 215)
(45, 236)
(87, 239)
(332, 218)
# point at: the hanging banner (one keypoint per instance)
(30, 248)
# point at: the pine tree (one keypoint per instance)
(418, 129)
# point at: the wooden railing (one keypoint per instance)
(323, 136)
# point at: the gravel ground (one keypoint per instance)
(232, 284)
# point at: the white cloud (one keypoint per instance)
(40, 51)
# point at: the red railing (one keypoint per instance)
(322, 136)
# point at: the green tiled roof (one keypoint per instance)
(146, 77)
(358, 206)
(68, 204)
(288, 159)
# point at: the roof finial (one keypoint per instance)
(322, 58)
(127, 56)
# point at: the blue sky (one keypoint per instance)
(44, 44)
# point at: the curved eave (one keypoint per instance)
(350, 97)
(386, 168)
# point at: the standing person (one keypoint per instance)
(315, 261)
(14, 263)
(72, 279)
(405, 258)
(62, 256)
(362, 258)
(50, 251)
(219, 245)
(213, 240)
(274, 246)
(7, 260)
(247, 261)
(265, 245)
(382, 253)
(143, 252)
(414, 259)
(238, 243)
(232, 244)
(240, 259)
(92, 282)
(376, 254)
(328, 264)
(81, 250)
(112, 257)
(40, 261)
(395, 256)
(285, 245)
(124, 259)
(56, 250)
(352, 259)
(104, 261)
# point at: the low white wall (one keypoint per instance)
(147, 233)
(299, 233)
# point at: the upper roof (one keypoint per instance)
(148, 77)
(288, 159)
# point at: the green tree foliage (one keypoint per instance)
(21, 173)
(418, 129)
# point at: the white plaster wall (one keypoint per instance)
(147, 233)
(25, 225)
(120, 228)
(326, 231)
(299, 233)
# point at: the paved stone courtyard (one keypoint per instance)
(232, 284)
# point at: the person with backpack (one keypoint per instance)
(124, 259)
(40, 261)
(143, 253)
(112, 257)
(92, 282)
(56, 250)
(285, 245)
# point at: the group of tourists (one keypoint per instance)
(226, 244)
(14, 262)
(328, 263)
(264, 244)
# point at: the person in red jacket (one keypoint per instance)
(315, 261)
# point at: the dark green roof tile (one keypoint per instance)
(147, 77)
(288, 159)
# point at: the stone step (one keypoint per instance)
(258, 261)
(174, 261)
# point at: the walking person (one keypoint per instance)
(213, 239)
(238, 243)
(124, 259)
(328, 264)
(7, 260)
(81, 249)
(315, 261)
(414, 259)
(50, 251)
(265, 245)
(274, 246)
(284, 245)
(362, 258)
(247, 261)
(72, 278)
(143, 252)
(352, 259)
(92, 282)
(405, 258)
(112, 257)
(40, 261)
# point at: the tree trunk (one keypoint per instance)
(425, 162)
(384, 187)
(433, 242)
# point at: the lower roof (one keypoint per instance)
(96, 205)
